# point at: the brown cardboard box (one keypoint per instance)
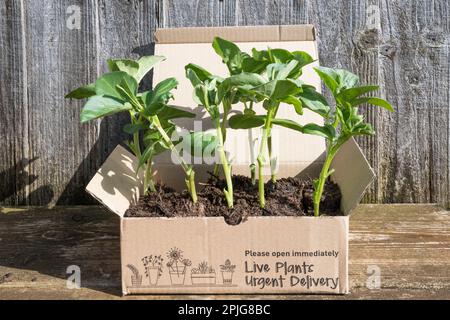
(263, 254)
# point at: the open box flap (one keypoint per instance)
(116, 184)
(352, 173)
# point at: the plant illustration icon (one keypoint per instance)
(153, 268)
(177, 266)
(227, 272)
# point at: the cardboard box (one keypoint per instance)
(262, 254)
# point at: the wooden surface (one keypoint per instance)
(47, 157)
(408, 244)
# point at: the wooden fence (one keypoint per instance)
(49, 47)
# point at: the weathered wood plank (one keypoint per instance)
(410, 244)
(414, 141)
(195, 13)
(59, 57)
(14, 157)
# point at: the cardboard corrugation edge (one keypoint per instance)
(237, 34)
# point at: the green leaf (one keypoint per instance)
(280, 71)
(101, 106)
(250, 64)
(230, 53)
(107, 84)
(131, 67)
(146, 64)
(171, 112)
(303, 58)
(288, 124)
(353, 93)
(163, 88)
(156, 100)
(132, 128)
(373, 101)
(201, 74)
(346, 79)
(295, 102)
(245, 81)
(280, 55)
(326, 131)
(337, 79)
(82, 92)
(328, 77)
(284, 88)
(314, 101)
(245, 121)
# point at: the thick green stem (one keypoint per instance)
(226, 167)
(149, 184)
(191, 185)
(253, 173)
(262, 150)
(322, 178)
(272, 160)
(136, 143)
(190, 174)
(251, 143)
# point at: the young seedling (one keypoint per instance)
(238, 62)
(117, 91)
(282, 70)
(340, 123)
(212, 92)
(206, 94)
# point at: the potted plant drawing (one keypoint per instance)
(136, 277)
(227, 270)
(203, 274)
(177, 266)
(153, 268)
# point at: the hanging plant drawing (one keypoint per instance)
(153, 268)
(177, 266)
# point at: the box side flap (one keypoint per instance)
(116, 184)
(353, 174)
(241, 34)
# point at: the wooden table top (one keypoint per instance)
(409, 245)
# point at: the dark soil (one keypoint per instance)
(286, 197)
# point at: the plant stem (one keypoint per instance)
(223, 126)
(190, 174)
(263, 147)
(317, 195)
(251, 143)
(273, 176)
(226, 167)
(149, 184)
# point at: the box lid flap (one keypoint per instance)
(116, 184)
(237, 34)
(352, 173)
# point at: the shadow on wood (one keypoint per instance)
(39, 250)
(15, 180)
